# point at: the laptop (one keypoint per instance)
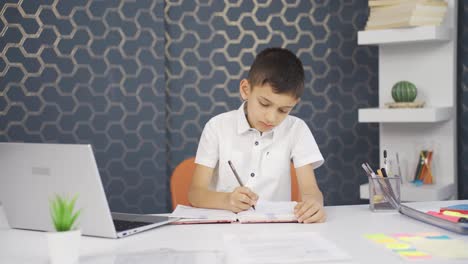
(33, 173)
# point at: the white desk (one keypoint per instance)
(345, 227)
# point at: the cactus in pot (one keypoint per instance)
(404, 91)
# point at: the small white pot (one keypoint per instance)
(64, 247)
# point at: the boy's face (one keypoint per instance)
(266, 109)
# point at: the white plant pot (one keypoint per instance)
(64, 247)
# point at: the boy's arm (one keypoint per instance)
(310, 209)
(200, 195)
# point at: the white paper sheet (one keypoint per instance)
(282, 248)
(159, 256)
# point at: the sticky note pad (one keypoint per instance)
(442, 237)
(398, 246)
(410, 238)
(413, 253)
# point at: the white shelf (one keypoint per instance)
(411, 193)
(404, 35)
(405, 115)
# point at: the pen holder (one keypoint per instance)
(384, 193)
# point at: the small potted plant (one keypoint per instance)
(64, 243)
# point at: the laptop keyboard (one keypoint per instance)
(122, 225)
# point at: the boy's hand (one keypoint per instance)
(241, 199)
(309, 211)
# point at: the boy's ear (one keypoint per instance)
(244, 89)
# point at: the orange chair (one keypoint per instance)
(182, 178)
(180, 182)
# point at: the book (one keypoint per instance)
(387, 3)
(410, 22)
(422, 11)
(396, 14)
(265, 212)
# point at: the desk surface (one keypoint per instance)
(345, 227)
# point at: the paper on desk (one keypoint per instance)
(160, 256)
(282, 248)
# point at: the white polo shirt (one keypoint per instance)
(261, 160)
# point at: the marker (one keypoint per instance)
(385, 160)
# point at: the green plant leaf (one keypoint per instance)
(75, 216)
(62, 212)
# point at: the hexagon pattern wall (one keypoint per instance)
(90, 72)
(139, 79)
(211, 44)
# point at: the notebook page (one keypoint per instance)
(183, 211)
(269, 211)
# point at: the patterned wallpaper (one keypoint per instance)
(91, 72)
(139, 79)
(210, 46)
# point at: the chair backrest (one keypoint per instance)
(181, 180)
(295, 192)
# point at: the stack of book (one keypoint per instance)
(385, 14)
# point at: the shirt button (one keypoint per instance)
(252, 174)
(256, 143)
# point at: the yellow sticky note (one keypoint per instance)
(385, 240)
(410, 238)
(452, 213)
(398, 246)
(412, 253)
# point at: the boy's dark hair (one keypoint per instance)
(281, 69)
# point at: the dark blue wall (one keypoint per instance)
(139, 80)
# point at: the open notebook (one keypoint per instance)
(265, 212)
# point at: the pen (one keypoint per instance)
(237, 176)
(387, 182)
(385, 160)
(384, 172)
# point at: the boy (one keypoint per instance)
(260, 139)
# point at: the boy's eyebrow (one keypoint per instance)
(268, 101)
